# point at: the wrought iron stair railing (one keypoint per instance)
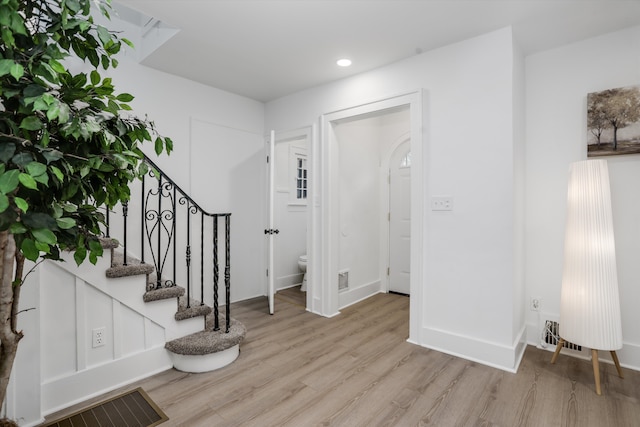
(169, 221)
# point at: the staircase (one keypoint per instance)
(165, 221)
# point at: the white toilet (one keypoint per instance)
(302, 264)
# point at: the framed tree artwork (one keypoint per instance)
(613, 122)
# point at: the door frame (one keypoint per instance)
(325, 212)
(308, 133)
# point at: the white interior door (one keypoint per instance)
(400, 219)
(270, 232)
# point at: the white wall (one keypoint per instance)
(217, 158)
(470, 260)
(558, 82)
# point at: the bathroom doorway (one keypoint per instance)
(289, 192)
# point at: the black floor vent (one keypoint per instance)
(551, 336)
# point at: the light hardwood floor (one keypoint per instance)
(356, 369)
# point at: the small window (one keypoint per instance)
(301, 178)
(406, 161)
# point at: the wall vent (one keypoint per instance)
(551, 336)
(343, 280)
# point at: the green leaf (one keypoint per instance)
(52, 155)
(33, 90)
(95, 246)
(31, 123)
(43, 247)
(5, 66)
(56, 66)
(58, 173)
(44, 140)
(66, 223)
(45, 235)
(4, 202)
(29, 250)
(9, 181)
(125, 97)
(95, 77)
(36, 220)
(27, 181)
(21, 203)
(158, 145)
(104, 34)
(17, 228)
(63, 114)
(42, 179)
(80, 254)
(53, 111)
(17, 71)
(7, 150)
(21, 159)
(36, 168)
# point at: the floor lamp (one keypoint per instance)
(589, 301)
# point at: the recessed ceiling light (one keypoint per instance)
(343, 62)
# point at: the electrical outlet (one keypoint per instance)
(98, 337)
(441, 203)
(535, 304)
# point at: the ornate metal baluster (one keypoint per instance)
(159, 246)
(175, 214)
(156, 222)
(216, 326)
(142, 211)
(188, 258)
(125, 213)
(106, 222)
(227, 268)
(201, 258)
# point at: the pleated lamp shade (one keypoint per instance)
(590, 302)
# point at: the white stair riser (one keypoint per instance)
(207, 362)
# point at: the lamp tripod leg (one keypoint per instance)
(557, 352)
(614, 356)
(596, 370)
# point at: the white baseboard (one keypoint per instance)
(285, 282)
(496, 355)
(355, 295)
(63, 392)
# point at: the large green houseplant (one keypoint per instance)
(68, 145)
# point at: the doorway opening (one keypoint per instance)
(289, 194)
(399, 232)
(341, 222)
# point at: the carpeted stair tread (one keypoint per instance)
(195, 309)
(109, 243)
(163, 293)
(209, 341)
(133, 268)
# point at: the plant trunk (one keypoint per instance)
(615, 138)
(9, 298)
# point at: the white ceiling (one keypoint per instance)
(265, 49)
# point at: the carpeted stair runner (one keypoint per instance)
(133, 268)
(209, 341)
(206, 342)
